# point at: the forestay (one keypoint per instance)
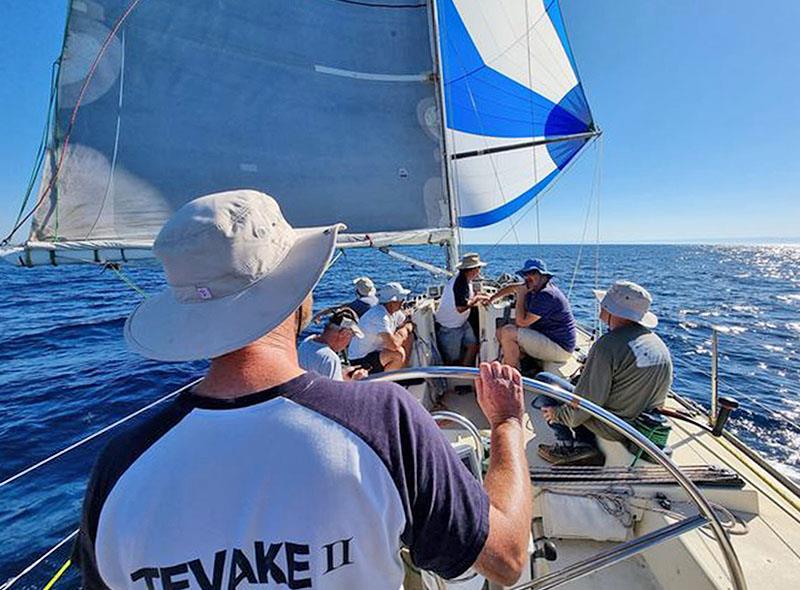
(515, 109)
(329, 105)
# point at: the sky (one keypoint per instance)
(697, 101)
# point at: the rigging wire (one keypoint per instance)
(533, 115)
(94, 435)
(39, 560)
(65, 144)
(575, 270)
(41, 151)
(525, 210)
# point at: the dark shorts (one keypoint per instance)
(371, 362)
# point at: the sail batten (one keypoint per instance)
(516, 113)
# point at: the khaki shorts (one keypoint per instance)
(539, 346)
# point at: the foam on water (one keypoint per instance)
(66, 371)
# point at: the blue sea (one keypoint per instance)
(65, 371)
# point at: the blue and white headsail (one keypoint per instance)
(516, 113)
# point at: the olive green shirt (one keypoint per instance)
(628, 371)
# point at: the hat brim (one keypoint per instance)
(165, 329)
(357, 332)
(649, 320)
(459, 266)
(522, 272)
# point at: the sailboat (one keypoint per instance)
(407, 121)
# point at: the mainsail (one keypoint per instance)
(402, 120)
(516, 110)
(329, 106)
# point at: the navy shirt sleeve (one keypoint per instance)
(446, 508)
(461, 290)
(542, 304)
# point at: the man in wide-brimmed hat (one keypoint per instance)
(544, 326)
(455, 336)
(628, 371)
(263, 474)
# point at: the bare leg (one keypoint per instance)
(509, 345)
(392, 360)
(408, 342)
(470, 354)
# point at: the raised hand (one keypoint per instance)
(500, 395)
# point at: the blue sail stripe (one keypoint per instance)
(509, 208)
(482, 101)
(554, 14)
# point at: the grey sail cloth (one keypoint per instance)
(327, 105)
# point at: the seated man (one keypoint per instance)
(365, 296)
(628, 372)
(388, 334)
(364, 301)
(454, 334)
(544, 325)
(320, 352)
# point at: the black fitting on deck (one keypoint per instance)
(726, 406)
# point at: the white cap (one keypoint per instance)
(630, 301)
(392, 292)
(235, 268)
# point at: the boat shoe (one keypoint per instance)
(571, 455)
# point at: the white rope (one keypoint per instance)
(100, 432)
(47, 554)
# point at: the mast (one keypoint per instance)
(453, 245)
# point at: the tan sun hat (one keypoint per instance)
(470, 260)
(235, 268)
(364, 286)
(628, 300)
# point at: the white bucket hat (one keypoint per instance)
(392, 292)
(364, 286)
(235, 268)
(630, 301)
(469, 261)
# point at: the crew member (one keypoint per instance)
(628, 372)
(544, 326)
(388, 333)
(263, 474)
(320, 352)
(454, 334)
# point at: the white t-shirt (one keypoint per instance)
(311, 484)
(457, 293)
(317, 356)
(376, 321)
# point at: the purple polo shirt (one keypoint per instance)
(556, 319)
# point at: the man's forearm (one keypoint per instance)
(508, 486)
(507, 481)
(504, 292)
